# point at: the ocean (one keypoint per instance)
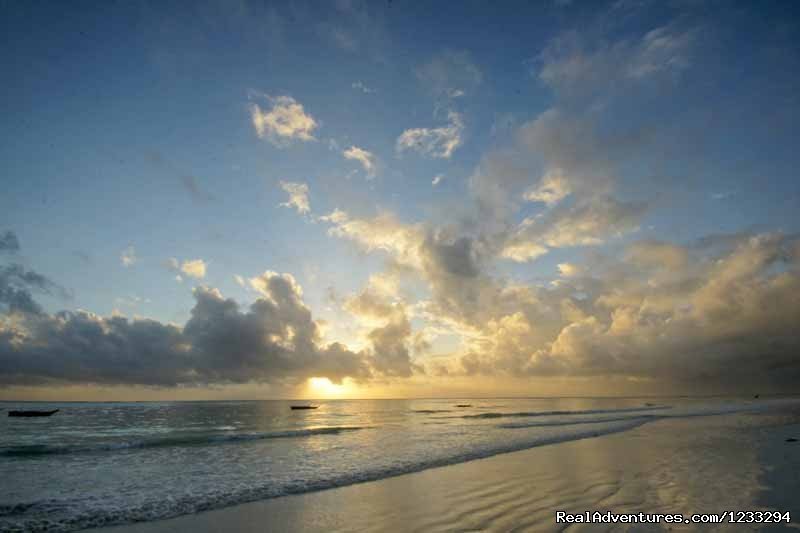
(99, 464)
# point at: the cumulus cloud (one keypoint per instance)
(709, 319)
(128, 256)
(298, 196)
(674, 314)
(284, 120)
(438, 142)
(391, 339)
(274, 340)
(367, 159)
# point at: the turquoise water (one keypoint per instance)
(94, 464)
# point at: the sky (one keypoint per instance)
(215, 200)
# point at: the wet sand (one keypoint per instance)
(693, 465)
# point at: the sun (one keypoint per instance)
(325, 387)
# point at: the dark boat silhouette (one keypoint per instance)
(298, 407)
(32, 413)
(464, 405)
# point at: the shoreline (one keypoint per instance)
(688, 465)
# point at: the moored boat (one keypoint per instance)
(32, 413)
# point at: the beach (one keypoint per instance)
(698, 464)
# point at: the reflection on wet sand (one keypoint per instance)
(694, 465)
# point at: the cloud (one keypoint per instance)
(18, 283)
(367, 159)
(584, 224)
(577, 171)
(521, 250)
(437, 179)
(240, 281)
(450, 74)
(275, 340)
(707, 321)
(359, 86)
(284, 121)
(553, 187)
(390, 340)
(570, 270)
(384, 232)
(128, 256)
(578, 67)
(195, 268)
(298, 196)
(677, 315)
(434, 142)
(9, 242)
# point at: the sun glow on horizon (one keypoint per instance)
(322, 386)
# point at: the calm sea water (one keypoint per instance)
(96, 464)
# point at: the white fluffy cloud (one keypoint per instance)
(298, 196)
(195, 268)
(438, 142)
(366, 158)
(283, 121)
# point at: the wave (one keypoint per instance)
(33, 450)
(432, 411)
(520, 425)
(34, 516)
(566, 413)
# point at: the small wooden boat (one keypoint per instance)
(299, 407)
(32, 413)
(464, 405)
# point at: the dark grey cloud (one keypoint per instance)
(17, 284)
(391, 350)
(275, 340)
